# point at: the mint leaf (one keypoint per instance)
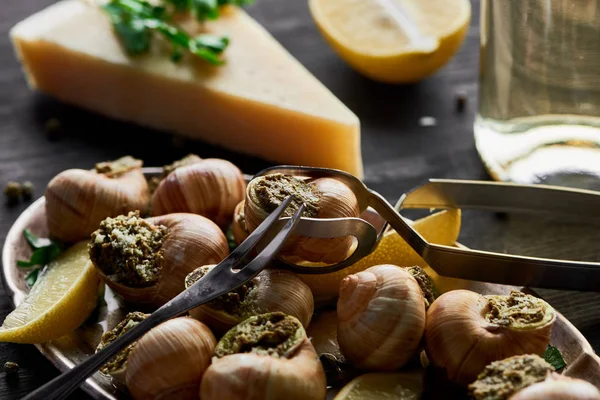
(553, 357)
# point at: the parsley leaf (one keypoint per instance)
(134, 22)
(31, 277)
(553, 357)
(204, 10)
(230, 238)
(44, 251)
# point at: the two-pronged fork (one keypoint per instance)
(226, 276)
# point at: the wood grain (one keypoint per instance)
(398, 153)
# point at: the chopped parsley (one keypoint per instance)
(135, 22)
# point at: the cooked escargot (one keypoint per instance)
(78, 200)
(528, 377)
(322, 198)
(209, 187)
(170, 360)
(117, 366)
(465, 331)
(266, 356)
(146, 261)
(381, 317)
(167, 362)
(269, 291)
(501, 379)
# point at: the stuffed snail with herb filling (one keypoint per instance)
(322, 198)
(167, 362)
(267, 356)
(209, 187)
(381, 317)
(238, 226)
(465, 330)
(78, 200)
(146, 260)
(269, 291)
(528, 377)
(425, 282)
(117, 366)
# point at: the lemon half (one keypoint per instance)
(393, 41)
(64, 294)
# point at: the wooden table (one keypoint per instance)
(398, 152)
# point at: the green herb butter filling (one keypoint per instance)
(128, 250)
(118, 167)
(425, 283)
(118, 362)
(273, 334)
(271, 190)
(518, 311)
(501, 379)
(237, 303)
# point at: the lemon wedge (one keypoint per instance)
(442, 228)
(393, 41)
(384, 386)
(64, 295)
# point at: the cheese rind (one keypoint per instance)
(261, 102)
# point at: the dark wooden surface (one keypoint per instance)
(398, 153)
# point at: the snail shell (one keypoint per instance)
(270, 291)
(381, 317)
(282, 369)
(240, 231)
(169, 361)
(117, 366)
(210, 187)
(501, 379)
(78, 200)
(323, 198)
(190, 240)
(465, 331)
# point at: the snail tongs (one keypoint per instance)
(451, 261)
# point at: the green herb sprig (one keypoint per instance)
(553, 357)
(44, 251)
(231, 238)
(135, 21)
(205, 9)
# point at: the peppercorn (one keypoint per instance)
(13, 191)
(11, 367)
(27, 190)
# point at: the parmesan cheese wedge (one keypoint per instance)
(261, 102)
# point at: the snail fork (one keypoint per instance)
(226, 276)
(452, 261)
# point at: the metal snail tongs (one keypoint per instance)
(451, 261)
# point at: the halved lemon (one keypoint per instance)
(393, 41)
(64, 295)
(442, 228)
(384, 386)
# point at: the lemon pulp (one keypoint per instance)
(64, 294)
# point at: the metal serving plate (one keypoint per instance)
(77, 346)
